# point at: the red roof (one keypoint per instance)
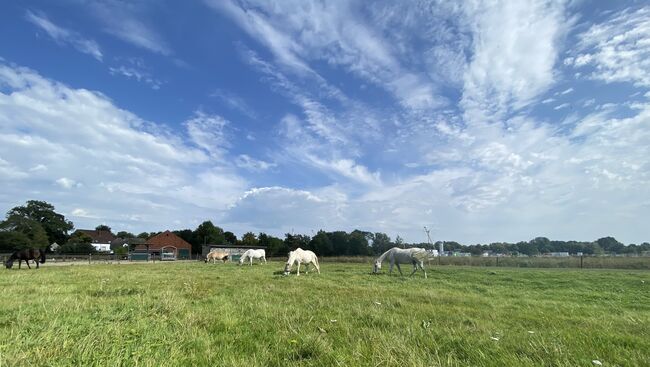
(165, 239)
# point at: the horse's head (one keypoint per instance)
(287, 268)
(377, 267)
(9, 263)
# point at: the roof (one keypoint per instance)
(98, 236)
(165, 239)
(119, 242)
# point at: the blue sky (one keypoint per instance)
(484, 121)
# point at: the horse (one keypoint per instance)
(38, 255)
(301, 257)
(253, 254)
(216, 255)
(396, 256)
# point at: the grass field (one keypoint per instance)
(224, 315)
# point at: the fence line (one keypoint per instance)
(578, 262)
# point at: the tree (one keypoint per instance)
(321, 244)
(230, 237)
(125, 234)
(103, 227)
(399, 242)
(143, 235)
(187, 235)
(294, 241)
(207, 233)
(610, 244)
(358, 243)
(30, 228)
(274, 246)
(11, 241)
(249, 239)
(78, 243)
(380, 243)
(55, 225)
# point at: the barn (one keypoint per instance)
(165, 246)
(234, 251)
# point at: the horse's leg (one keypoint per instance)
(421, 264)
(391, 268)
(399, 268)
(36, 261)
(415, 268)
(298, 271)
(27, 262)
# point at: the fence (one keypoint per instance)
(580, 262)
(97, 258)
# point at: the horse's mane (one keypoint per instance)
(383, 256)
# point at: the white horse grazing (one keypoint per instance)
(301, 257)
(396, 256)
(253, 254)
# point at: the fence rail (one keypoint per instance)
(580, 262)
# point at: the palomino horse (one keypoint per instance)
(38, 255)
(253, 254)
(301, 257)
(396, 256)
(216, 255)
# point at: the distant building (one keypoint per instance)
(101, 239)
(558, 254)
(164, 246)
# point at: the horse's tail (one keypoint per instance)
(42, 253)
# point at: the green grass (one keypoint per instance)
(224, 315)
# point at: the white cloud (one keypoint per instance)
(208, 132)
(280, 210)
(235, 102)
(135, 69)
(509, 69)
(67, 183)
(566, 91)
(561, 106)
(252, 164)
(65, 36)
(127, 22)
(617, 49)
(299, 32)
(108, 161)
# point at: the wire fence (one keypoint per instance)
(578, 262)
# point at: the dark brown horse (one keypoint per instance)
(38, 255)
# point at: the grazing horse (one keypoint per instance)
(216, 255)
(301, 257)
(396, 256)
(38, 255)
(253, 254)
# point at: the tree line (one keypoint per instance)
(37, 224)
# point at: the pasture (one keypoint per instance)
(197, 314)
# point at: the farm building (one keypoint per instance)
(233, 251)
(101, 239)
(164, 246)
